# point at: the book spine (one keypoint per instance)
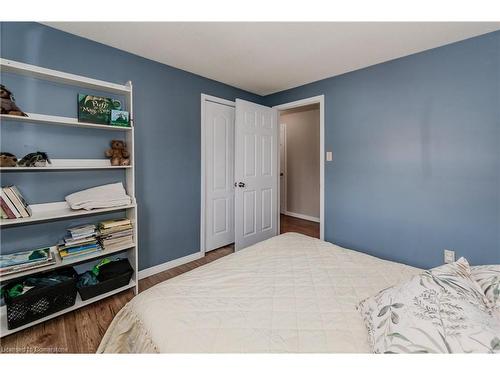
(21, 198)
(75, 255)
(6, 209)
(8, 206)
(13, 198)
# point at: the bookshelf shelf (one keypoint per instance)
(69, 262)
(4, 331)
(68, 165)
(11, 66)
(39, 119)
(60, 210)
(57, 211)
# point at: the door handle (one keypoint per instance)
(239, 184)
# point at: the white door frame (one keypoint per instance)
(285, 173)
(204, 99)
(320, 99)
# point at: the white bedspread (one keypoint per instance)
(291, 293)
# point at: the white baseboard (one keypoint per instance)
(301, 216)
(168, 265)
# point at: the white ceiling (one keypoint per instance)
(264, 58)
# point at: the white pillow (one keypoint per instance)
(488, 278)
(439, 311)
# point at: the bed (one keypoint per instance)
(291, 293)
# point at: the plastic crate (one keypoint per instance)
(120, 272)
(40, 302)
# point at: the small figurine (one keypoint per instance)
(118, 153)
(9, 106)
(7, 159)
(35, 159)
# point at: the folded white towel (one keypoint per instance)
(111, 195)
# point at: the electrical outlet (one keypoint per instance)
(449, 256)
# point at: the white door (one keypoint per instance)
(283, 168)
(219, 167)
(256, 173)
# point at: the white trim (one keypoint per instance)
(285, 172)
(300, 103)
(206, 98)
(301, 216)
(168, 265)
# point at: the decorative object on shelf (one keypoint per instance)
(9, 106)
(96, 109)
(35, 159)
(13, 204)
(119, 118)
(118, 153)
(104, 196)
(7, 159)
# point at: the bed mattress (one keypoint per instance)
(291, 293)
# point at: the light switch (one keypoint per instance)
(329, 156)
(449, 256)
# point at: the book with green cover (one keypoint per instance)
(96, 109)
(119, 118)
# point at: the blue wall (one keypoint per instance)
(416, 144)
(416, 148)
(167, 116)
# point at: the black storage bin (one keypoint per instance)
(41, 301)
(112, 276)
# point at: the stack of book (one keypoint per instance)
(12, 203)
(26, 260)
(80, 240)
(115, 233)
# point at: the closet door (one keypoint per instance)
(256, 173)
(219, 167)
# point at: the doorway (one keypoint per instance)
(301, 155)
(239, 173)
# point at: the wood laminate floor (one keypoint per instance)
(292, 224)
(81, 331)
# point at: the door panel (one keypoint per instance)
(282, 168)
(219, 146)
(249, 213)
(256, 144)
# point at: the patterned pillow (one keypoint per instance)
(439, 311)
(488, 278)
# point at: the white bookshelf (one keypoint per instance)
(46, 212)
